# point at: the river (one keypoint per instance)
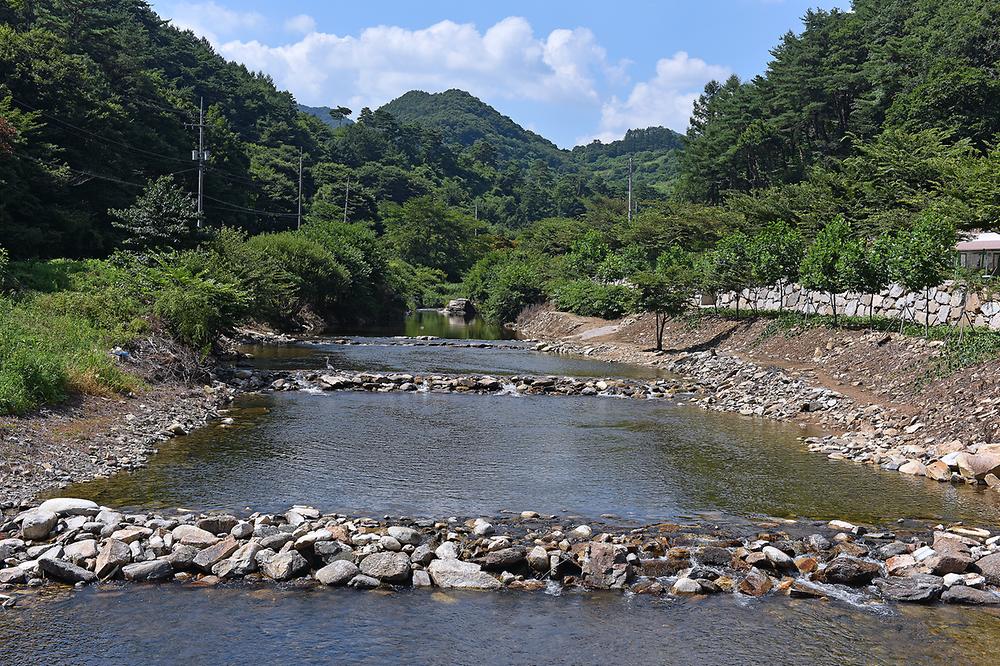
(602, 460)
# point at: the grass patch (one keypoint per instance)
(46, 355)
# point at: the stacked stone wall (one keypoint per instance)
(947, 304)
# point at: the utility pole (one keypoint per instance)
(200, 155)
(347, 193)
(299, 225)
(630, 189)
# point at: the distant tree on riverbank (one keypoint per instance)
(923, 256)
(775, 256)
(731, 265)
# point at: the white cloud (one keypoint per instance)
(666, 99)
(303, 24)
(566, 69)
(210, 20)
(506, 61)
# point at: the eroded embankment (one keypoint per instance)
(879, 393)
(77, 542)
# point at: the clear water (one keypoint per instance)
(389, 355)
(176, 625)
(440, 325)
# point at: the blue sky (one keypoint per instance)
(571, 71)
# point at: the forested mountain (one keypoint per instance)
(99, 98)
(654, 152)
(497, 140)
(888, 87)
(466, 120)
(323, 113)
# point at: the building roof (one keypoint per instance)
(982, 242)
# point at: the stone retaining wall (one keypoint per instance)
(945, 304)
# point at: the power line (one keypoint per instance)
(98, 136)
(89, 174)
(244, 209)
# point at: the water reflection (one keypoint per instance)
(444, 454)
(439, 325)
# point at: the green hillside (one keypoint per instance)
(465, 120)
(654, 152)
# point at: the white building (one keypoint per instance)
(981, 251)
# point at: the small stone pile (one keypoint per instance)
(77, 542)
(471, 383)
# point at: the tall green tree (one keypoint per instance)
(163, 217)
(924, 256)
(825, 266)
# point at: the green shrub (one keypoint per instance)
(316, 276)
(592, 299)
(231, 258)
(194, 307)
(516, 286)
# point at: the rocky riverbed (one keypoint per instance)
(334, 380)
(99, 438)
(67, 541)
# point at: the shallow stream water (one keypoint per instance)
(586, 458)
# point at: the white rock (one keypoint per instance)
(70, 506)
(38, 523)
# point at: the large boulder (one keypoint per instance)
(113, 555)
(331, 551)
(191, 535)
(920, 588)
(989, 566)
(952, 555)
(405, 535)
(975, 466)
(70, 506)
(849, 571)
(505, 558)
(150, 571)
(38, 523)
(241, 563)
(604, 567)
(388, 567)
(461, 575)
(218, 524)
(338, 572)
(209, 557)
(538, 559)
(756, 583)
(970, 596)
(460, 307)
(80, 551)
(285, 566)
(65, 571)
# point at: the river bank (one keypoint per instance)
(93, 436)
(77, 542)
(881, 396)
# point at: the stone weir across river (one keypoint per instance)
(76, 542)
(335, 380)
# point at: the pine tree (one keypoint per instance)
(163, 217)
